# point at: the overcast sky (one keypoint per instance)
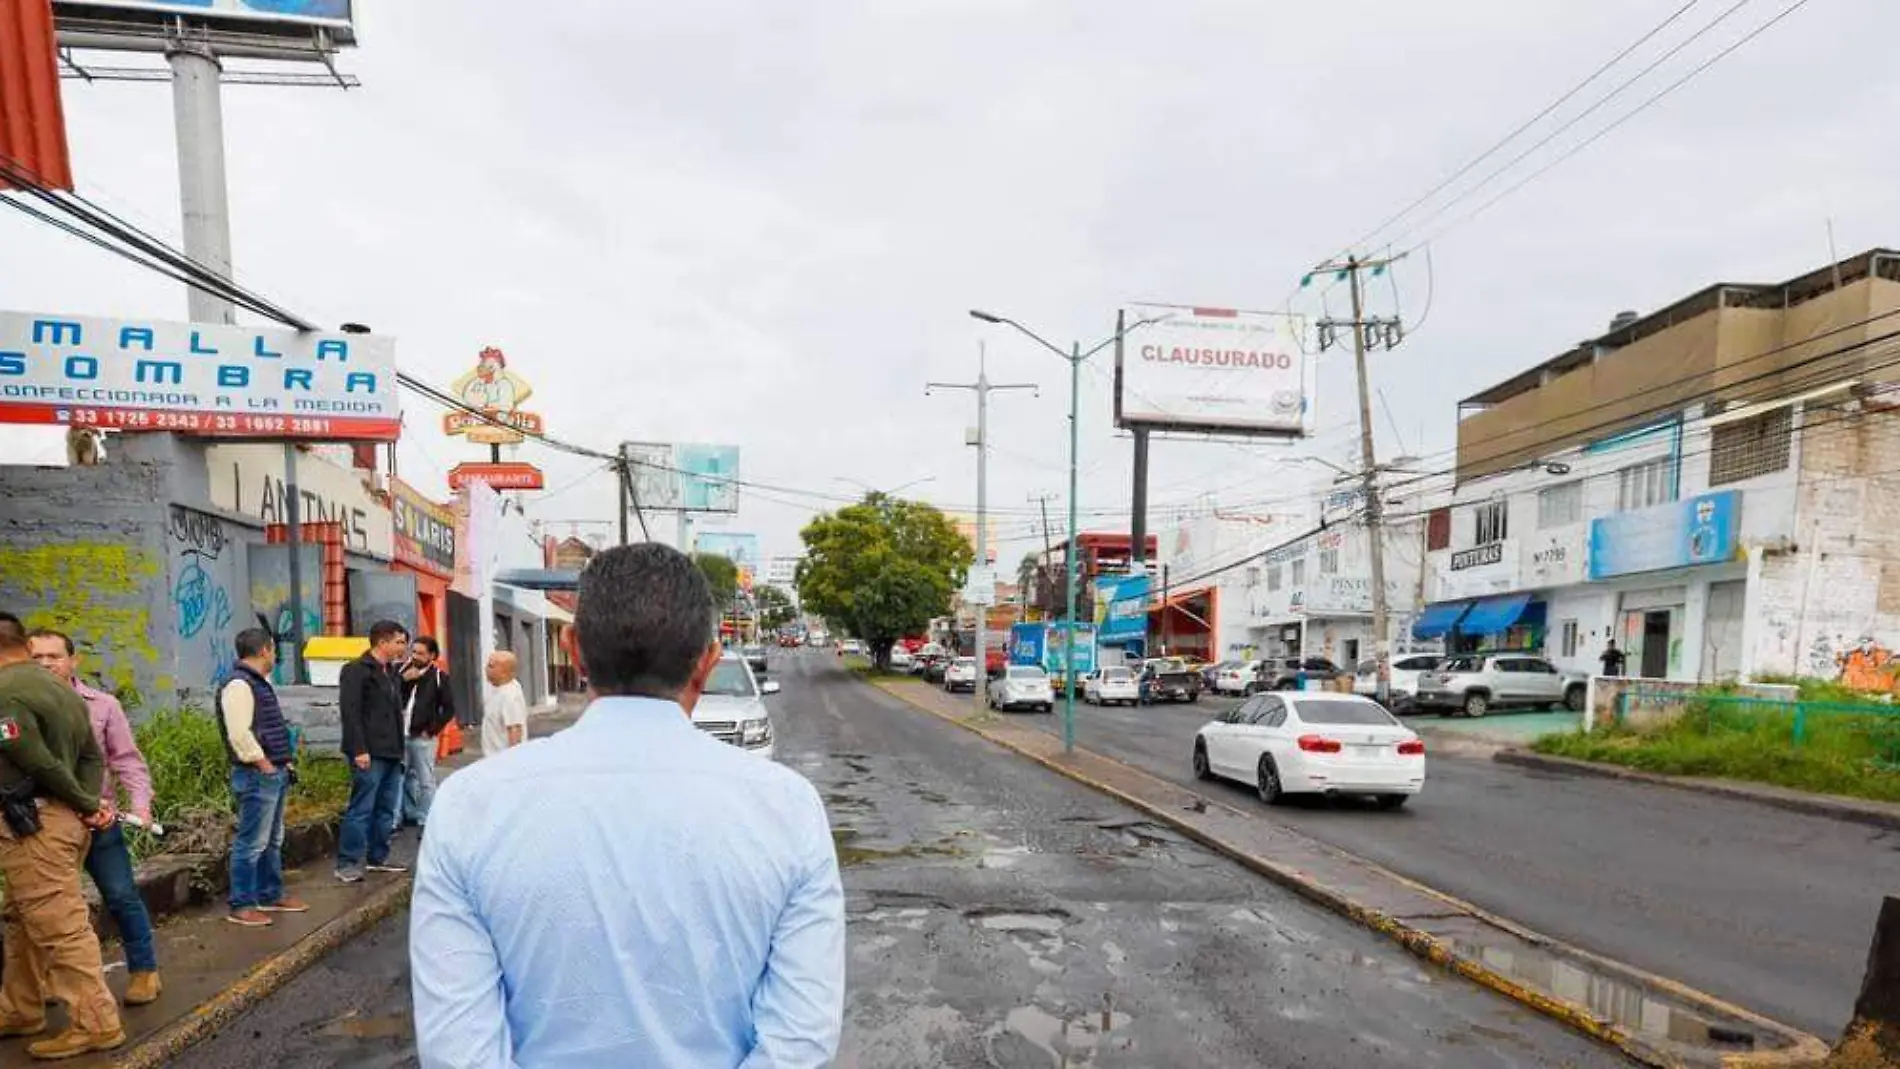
(763, 223)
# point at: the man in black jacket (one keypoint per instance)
(370, 695)
(431, 708)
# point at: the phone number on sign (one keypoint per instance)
(194, 422)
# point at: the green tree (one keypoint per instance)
(722, 574)
(881, 569)
(775, 608)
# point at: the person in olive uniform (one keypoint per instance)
(51, 769)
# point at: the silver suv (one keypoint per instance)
(1476, 683)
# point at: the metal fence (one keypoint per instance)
(1868, 727)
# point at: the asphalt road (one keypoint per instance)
(1001, 916)
(1766, 908)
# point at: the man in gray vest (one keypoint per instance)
(257, 740)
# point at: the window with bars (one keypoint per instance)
(1494, 522)
(1749, 447)
(1328, 562)
(1559, 506)
(1273, 577)
(1570, 638)
(1299, 573)
(1641, 485)
(1438, 529)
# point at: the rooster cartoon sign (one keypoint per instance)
(498, 393)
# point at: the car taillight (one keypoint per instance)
(1319, 744)
(1412, 748)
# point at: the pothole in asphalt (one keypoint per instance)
(1030, 1036)
(356, 1026)
(1006, 919)
(850, 854)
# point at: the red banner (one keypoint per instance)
(509, 475)
(208, 424)
(32, 122)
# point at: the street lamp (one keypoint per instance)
(1075, 356)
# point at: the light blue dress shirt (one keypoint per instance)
(630, 892)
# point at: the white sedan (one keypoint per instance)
(1239, 677)
(1022, 686)
(1310, 742)
(1111, 686)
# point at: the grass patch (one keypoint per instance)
(1841, 752)
(191, 784)
(864, 668)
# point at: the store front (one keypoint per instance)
(425, 549)
(1185, 626)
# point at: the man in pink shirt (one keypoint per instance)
(109, 862)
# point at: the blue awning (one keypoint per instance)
(1439, 619)
(1494, 616)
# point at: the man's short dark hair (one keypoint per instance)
(435, 648)
(645, 619)
(12, 632)
(47, 632)
(253, 641)
(384, 630)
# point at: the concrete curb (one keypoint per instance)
(1804, 1050)
(1853, 810)
(264, 980)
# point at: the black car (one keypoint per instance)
(934, 664)
(755, 658)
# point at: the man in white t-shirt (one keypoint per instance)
(505, 710)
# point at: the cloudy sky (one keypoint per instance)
(763, 223)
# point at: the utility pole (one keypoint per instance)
(1368, 334)
(982, 387)
(1048, 545)
(626, 483)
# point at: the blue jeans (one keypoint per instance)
(257, 855)
(110, 865)
(418, 780)
(370, 821)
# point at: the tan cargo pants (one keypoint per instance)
(51, 950)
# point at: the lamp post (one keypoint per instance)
(1075, 356)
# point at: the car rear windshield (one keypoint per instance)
(1030, 672)
(1116, 673)
(1343, 712)
(966, 662)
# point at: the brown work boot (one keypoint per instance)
(143, 989)
(14, 1028)
(72, 1043)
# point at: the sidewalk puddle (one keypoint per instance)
(394, 1026)
(1043, 923)
(850, 856)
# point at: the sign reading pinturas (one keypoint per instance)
(1477, 556)
(205, 379)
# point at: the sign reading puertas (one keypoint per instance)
(498, 392)
(197, 378)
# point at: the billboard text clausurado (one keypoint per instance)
(1215, 370)
(197, 378)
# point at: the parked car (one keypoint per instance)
(1022, 686)
(934, 667)
(1115, 685)
(1210, 674)
(850, 646)
(755, 657)
(960, 674)
(1237, 677)
(901, 658)
(1291, 673)
(1474, 684)
(732, 707)
(1169, 679)
(1313, 743)
(1403, 687)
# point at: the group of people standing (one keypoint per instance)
(66, 755)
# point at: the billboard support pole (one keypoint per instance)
(293, 513)
(198, 114)
(626, 480)
(1069, 554)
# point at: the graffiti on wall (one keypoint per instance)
(1868, 666)
(202, 613)
(97, 593)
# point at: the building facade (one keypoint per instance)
(1708, 485)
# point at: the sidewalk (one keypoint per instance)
(1654, 1020)
(214, 970)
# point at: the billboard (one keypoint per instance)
(740, 549)
(424, 531)
(671, 477)
(206, 379)
(256, 16)
(1700, 530)
(33, 124)
(1213, 370)
(490, 388)
(1125, 615)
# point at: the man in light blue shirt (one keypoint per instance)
(632, 891)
